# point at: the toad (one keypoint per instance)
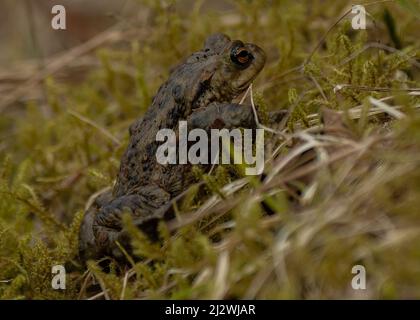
(200, 91)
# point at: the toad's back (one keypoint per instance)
(198, 81)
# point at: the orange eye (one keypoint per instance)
(241, 56)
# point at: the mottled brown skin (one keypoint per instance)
(200, 91)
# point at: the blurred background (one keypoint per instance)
(28, 43)
(25, 25)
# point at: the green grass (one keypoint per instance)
(357, 203)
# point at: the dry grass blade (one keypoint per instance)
(386, 108)
(90, 122)
(221, 275)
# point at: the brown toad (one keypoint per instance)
(200, 91)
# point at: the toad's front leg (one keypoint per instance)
(222, 115)
(228, 116)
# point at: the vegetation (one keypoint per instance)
(359, 206)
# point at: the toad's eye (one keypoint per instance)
(241, 56)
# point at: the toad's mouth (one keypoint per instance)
(242, 96)
(243, 88)
(243, 82)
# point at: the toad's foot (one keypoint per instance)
(103, 230)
